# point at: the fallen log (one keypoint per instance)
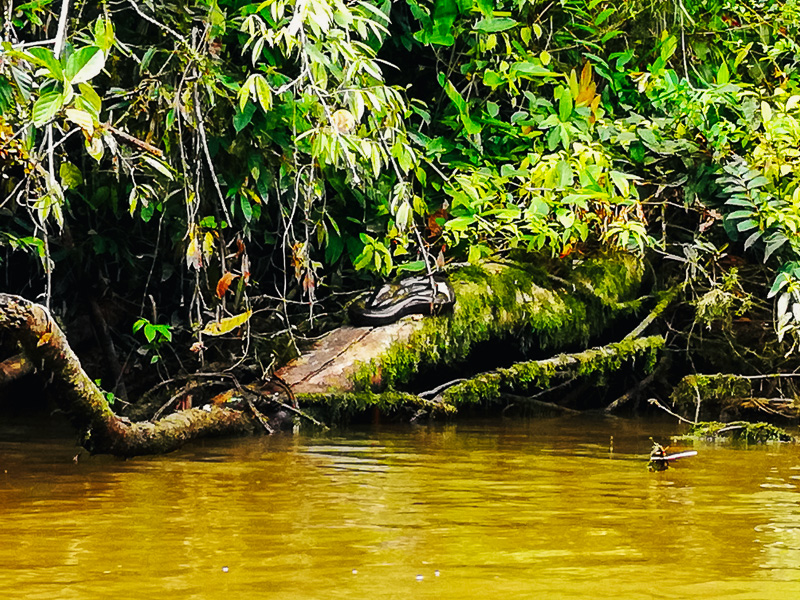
(102, 431)
(493, 301)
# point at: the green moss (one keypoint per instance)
(713, 389)
(754, 433)
(496, 301)
(527, 376)
(341, 407)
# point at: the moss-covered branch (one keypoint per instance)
(497, 301)
(76, 394)
(527, 376)
(744, 431)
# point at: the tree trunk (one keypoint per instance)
(103, 432)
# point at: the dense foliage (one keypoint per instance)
(199, 161)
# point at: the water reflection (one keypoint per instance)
(524, 510)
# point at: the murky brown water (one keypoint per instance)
(498, 509)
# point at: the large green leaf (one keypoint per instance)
(46, 107)
(46, 58)
(495, 24)
(84, 64)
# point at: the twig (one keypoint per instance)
(440, 388)
(728, 428)
(202, 129)
(631, 393)
(665, 409)
(531, 401)
(659, 308)
(149, 19)
(133, 140)
(61, 33)
(288, 407)
(261, 418)
(167, 404)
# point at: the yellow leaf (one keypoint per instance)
(208, 246)
(81, 118)
(544, 56)
(194, 256)
(226, 325)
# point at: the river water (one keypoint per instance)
(474, 510)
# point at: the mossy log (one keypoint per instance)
(526, 376)
(741, 431)
(493, 301)
(101, 430)
(724, 396)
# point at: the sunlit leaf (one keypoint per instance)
(71, 176)
(84, 64)
(46, 107)
(227, 325)
(81, 118)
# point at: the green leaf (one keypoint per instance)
(148, 56)
(492, 108)
(459, 223)
(46, 58)
(84, 64)
(637, 152)
(333, 248)
(46, 107)
(495, 24)
(242, 118)
(159, 165)
(668, 48)
(412, 267)
(603, 16)
(775, 242)
(740, 214)
(71, 176)
(6, 96)
(94, 146)
(247, 208)
(565, 106)
(757, 182)
(565, 175)
(139, 324)
(461, 105)
(723, 75)
(752, 239)
(530, 68)
(263, 93)
(91, 97)
(81, 118)
(103, 33)
(492, 78)
(747, 225)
